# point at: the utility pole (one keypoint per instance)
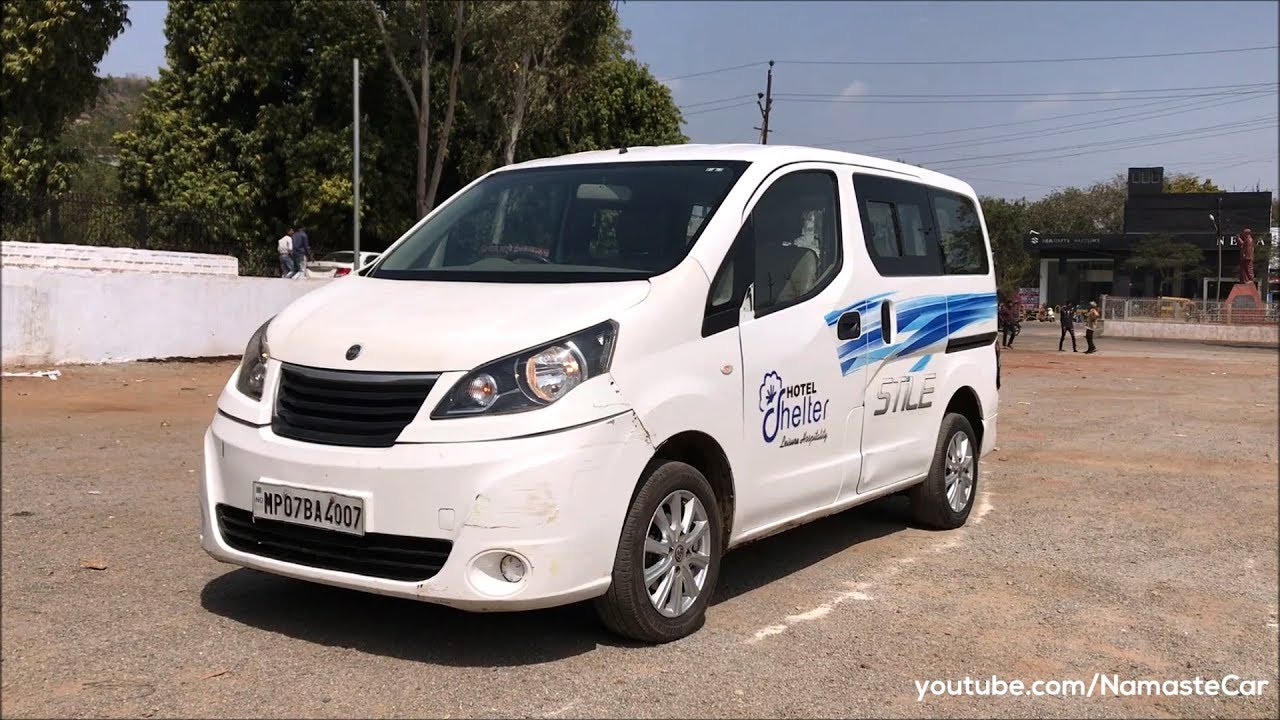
(766, 107)
(355, 156)
(1217, 230)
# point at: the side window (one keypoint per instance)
(884, 229)
(964, 251)
(729, 286)
(797, 239)
(898, 224)
(697, 215)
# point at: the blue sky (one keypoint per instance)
(1050, 139)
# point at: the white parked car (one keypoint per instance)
(338, 264)
(588, 377)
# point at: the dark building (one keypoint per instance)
(1075, 268)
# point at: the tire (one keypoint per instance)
(626, 608)
(930, 502)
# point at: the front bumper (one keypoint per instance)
(555, 500)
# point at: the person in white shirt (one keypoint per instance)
(285, 247)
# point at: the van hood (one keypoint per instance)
(431, 326)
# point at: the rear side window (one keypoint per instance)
(964, 251)
(897, 222)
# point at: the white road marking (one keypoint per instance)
(858, 590)
(766, 632)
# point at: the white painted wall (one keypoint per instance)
(57, 316)
(1266, 334)
(88, 257)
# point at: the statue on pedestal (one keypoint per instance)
(1246, 255)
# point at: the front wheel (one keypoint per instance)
(668, 557)
(944, 499)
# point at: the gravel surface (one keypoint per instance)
(1127, 525)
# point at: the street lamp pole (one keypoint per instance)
(1217, 234)
(355, 155)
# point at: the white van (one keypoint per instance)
(588, 377)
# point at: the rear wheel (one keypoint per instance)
(668, 558)
(944, 500)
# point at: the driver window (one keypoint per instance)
(797, 239)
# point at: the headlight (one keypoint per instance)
(253, 367)
(534, 378)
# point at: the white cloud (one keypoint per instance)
(855, 88)
(1060, 102)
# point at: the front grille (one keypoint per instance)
(342, 407)
(392, 557)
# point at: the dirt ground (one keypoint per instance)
(1126, 524)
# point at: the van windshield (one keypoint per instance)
(570, 223)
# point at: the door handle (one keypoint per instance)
(849, 326)
(885, 329)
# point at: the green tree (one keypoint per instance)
(537, 51)
(1170, 259)
(1007, 225)
(50, 51)
(252, 116)
(1188, 183)
(92, 135)
(1082, 211)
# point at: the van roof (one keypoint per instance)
(774, 155)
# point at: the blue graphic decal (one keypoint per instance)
(923, 322)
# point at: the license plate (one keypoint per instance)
(315, 508)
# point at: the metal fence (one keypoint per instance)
(90, 220)
(1181, 310)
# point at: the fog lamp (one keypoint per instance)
(512, 568)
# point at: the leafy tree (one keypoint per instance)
(539, 50)
(92, 134)
(50, 51)
(1007, 225)
(1096, 209)
(1170, 259)
(251, 119)
(1187, 183)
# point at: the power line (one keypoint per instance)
(1099, 150)
(717, 109)
(1193, 106)
(1032, 95)
(1016, 61)
(974, 128)
(1218, 163)
(1021, 61)
(713, 102)
(1012, 182)
(1100, 143)
(969, 101)
(714, 72)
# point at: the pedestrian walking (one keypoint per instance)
(1067, 322)
(1091, 324)
(285, 247)
(301, 250)
(1007, 319)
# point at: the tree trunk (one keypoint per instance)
(519, 102)
(424, 110)
(442, 150)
